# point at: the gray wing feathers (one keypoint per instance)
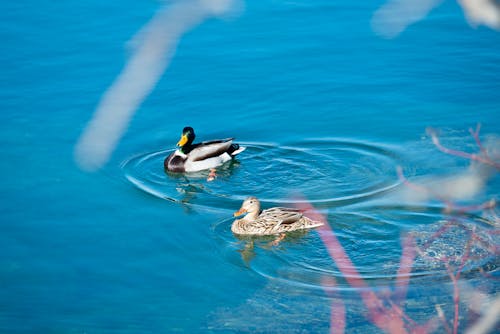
(283, 215)
(216, 141)
(289, 219)
(209, 150)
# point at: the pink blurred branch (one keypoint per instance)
(337, 312)
(484, 157)
(405, 265)
(455, 276)
(389, 319)
(388, 314)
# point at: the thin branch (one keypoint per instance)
(429, 327)
(471, 156)
(386, 319)
(475, 135)
(438, 233)
(405, 266)
(393, 319)
(400, 312)
(337, 312)
(454, 278)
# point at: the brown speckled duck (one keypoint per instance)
(269, 222)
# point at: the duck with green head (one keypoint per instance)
(191, 157)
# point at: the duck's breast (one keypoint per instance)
(175, 163)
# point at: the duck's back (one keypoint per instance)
(287, 220)
(210, 149)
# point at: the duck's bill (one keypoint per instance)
(239, 212)
(182, 141)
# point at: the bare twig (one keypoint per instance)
(337, 312)
(405, 265)
(471, 156)
(385, 311)
(388, 319)
(475, 135)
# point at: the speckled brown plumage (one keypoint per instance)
(271, 221)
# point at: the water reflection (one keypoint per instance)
(247, 243)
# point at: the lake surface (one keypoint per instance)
(327, 109)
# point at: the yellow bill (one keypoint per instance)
(182, 141)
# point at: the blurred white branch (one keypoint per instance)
(458, 186)
(396, 15)
(489, 319)
(154, 47)
(479, 12)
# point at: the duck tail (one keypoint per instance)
(235, 149)
(312, 223)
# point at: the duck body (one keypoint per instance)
(191, 157)
(271, 221)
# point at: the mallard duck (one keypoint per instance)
(191, 157)
(270, 221)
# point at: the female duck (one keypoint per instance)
(270, 221)
(191, 157)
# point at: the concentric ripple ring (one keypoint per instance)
(329, 172)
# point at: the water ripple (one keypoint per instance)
(329, 172)
(371, 237)
(341, 178)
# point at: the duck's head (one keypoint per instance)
(250, 206)
(187, 137)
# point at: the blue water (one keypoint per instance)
(326, 108)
